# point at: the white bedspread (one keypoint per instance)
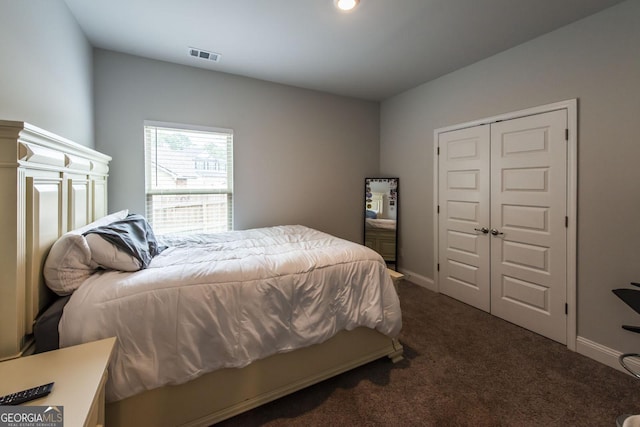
(382, 223)
(225, 300)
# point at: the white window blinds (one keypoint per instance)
(189, 178)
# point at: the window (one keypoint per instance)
(189, 178)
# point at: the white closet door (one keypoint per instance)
(529, 206)
(464, 210)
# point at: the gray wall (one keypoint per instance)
(596, 60)
(46, 71)
(300, 156)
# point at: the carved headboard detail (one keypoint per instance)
(48, 185)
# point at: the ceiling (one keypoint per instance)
(382, 48)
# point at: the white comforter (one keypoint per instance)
(381, 223)
(225, 300)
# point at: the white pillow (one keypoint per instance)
(69, 261)
(108, 255)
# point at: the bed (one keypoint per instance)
(381, 224)
(60, 186)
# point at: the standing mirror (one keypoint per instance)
(381, 217)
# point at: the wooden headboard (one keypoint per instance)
(48, 185)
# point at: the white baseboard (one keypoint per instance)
(419, 280)
(604, 355)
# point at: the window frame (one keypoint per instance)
(148, 170)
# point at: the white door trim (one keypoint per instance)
(571, 106)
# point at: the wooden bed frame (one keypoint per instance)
(57, 185)
(54, 185)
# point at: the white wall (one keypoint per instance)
(596, 60)
(46, 71)
(300, 157)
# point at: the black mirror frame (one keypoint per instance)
(395, 197)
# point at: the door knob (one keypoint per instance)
(483, 230)
(496, 232)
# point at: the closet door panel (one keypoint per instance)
(528, 209)
(464, 209)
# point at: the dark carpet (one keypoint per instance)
(462, 367)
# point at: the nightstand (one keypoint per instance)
(396, 277)
(79, 373)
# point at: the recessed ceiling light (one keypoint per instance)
(346, 5)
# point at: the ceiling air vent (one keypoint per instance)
(203, 54)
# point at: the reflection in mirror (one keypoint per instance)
(381, 217)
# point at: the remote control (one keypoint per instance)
(26, 395)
